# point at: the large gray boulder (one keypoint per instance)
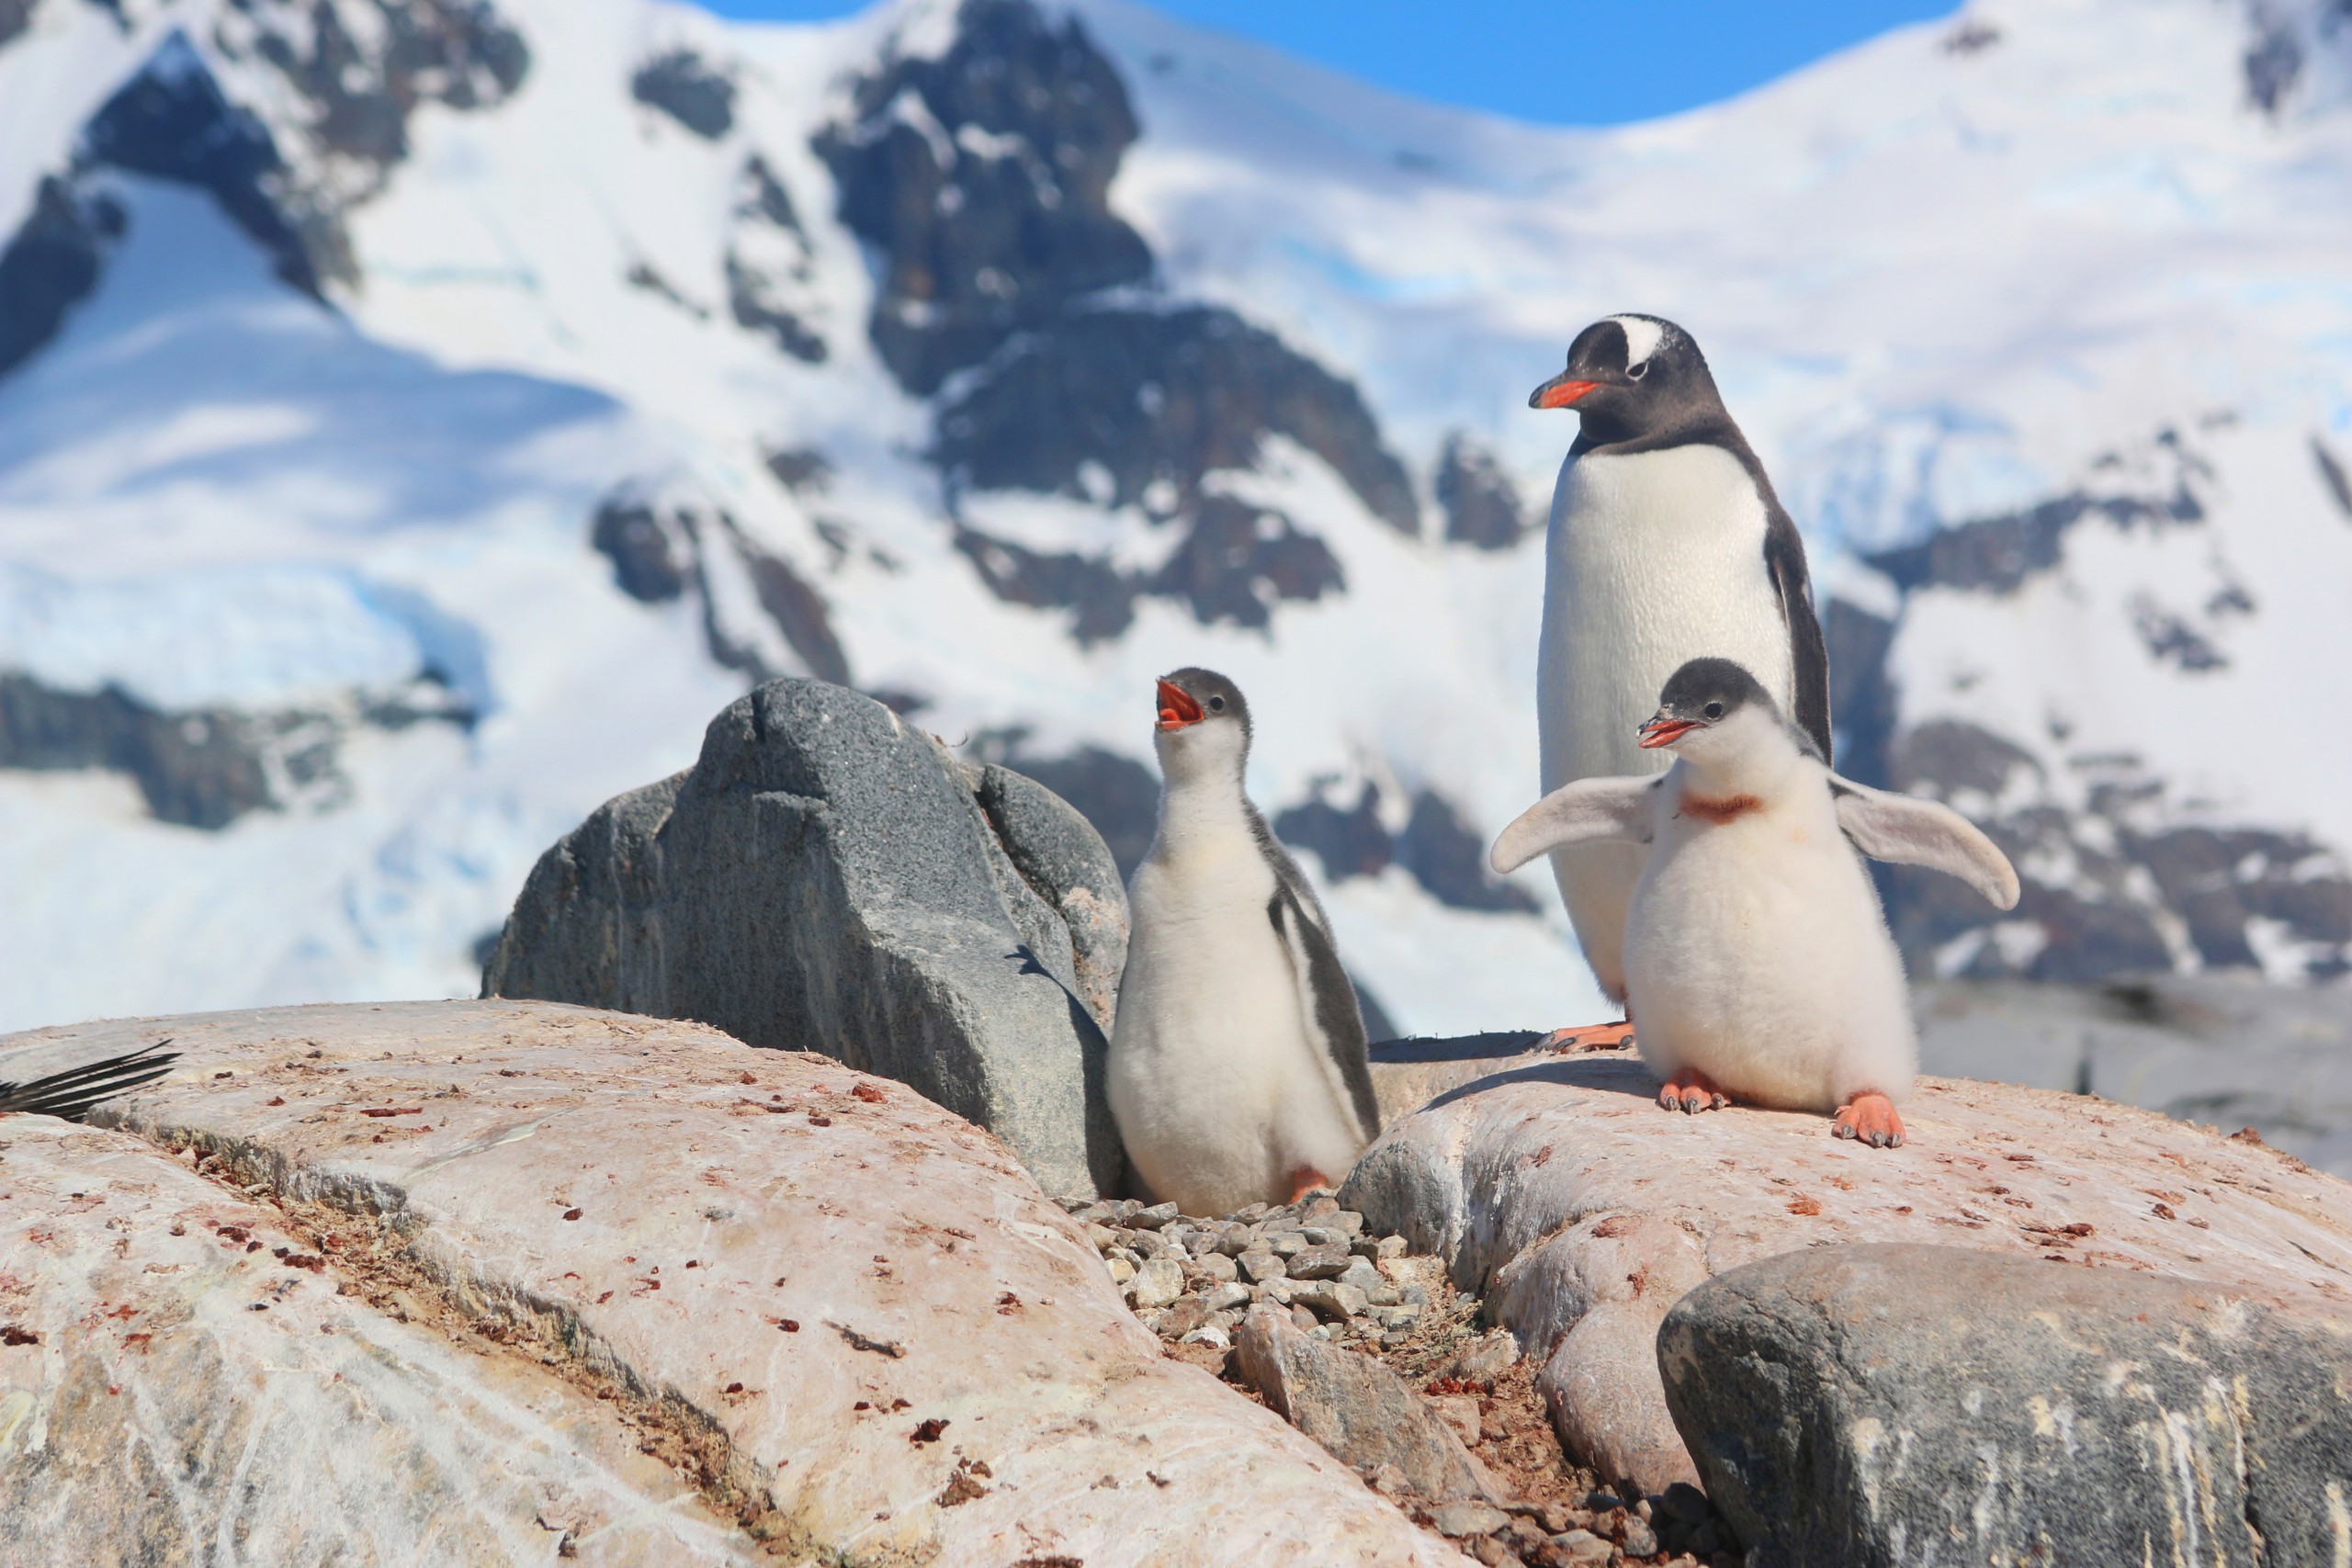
(1880, 1405)
(827, 879)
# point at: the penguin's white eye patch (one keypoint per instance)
(1642, 338)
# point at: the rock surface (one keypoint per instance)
(826, 877)
(1356, 1407)
(1870, 1404)
(696, 1303)
(1555, 1185)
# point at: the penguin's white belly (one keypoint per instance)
(1756, 953)
(1219, 1091)
(1653, 560)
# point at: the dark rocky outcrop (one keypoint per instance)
(827, 879)
(208, 767)
(662, 545)
(14, 15)
(2332, 474)
(1442, 851)
(1482, 506)
(1858, 1404)
(771, 270)
(172, 122)
(2113, 882)
(1010, 287)
(52, 264)
(681, 84)
(1119, 796)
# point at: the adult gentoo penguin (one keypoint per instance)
(1237, 1069)
(1667, 544)
(1757, 957)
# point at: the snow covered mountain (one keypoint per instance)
(417, 417)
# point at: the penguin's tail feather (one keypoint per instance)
(70, 1094)
(1578, 813)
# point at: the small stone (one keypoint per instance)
(1323, 1235)
(1330, 1297)
(1484, 1359)
(1225, 1320)
(1302, 1318)
(1103, 1237)
(1413, 1295)
(1581, 1546)
(1253, 1213)
(1210, 1333)
(1284, 1243)
(1458, 1519)
(1277, 1290)
(1318, 1263)
(1172, 1251)
(1153, 1218)
(1215, 1267)
(1389, 1247)
(1123, 1210)
(1226, 1297)
(1183, 1317)
(1398, 1317)
(1349, 1221)
(1602, 1502)
(1639, 1539)
(1127, 1255)
(1157, 1283)
(1093, 1213)
(1260, 1267)
(1375, 1286)
(1232, 1240)
(1120, 1269)
(1492, 1552)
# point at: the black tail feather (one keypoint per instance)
(70, 1094)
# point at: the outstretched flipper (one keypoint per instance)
(1906, 832)
(1578, 813)
(70, 1094)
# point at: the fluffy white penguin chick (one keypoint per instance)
(1236, 1070)
(1756, 956)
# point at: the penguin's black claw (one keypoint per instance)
(1843, 1129)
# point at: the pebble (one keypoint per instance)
(1640, 1541)
(1260, 1267)
(1476, 1518)
(1210, 1334)
(1157, 1283)
(1230, 1296)
(1153, 1218)
(1215, 1266)
(1284, 1243)
(1318, 1263)
(1330, 1297)
(1581, 1546)
(1122, 1271)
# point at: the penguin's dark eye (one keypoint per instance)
(1217, 704)
(1638, 371)
(1714, 710)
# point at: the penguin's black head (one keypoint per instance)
(1702, 695)
(1633, 377)
(1203, 717)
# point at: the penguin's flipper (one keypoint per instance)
(1578, 813)
(1906, 832)
(70, 1094)
(1327, 997)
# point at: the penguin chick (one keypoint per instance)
(1756, 950)
(1236, 1072)
(1666, 543)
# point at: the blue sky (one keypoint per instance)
(1565, 62)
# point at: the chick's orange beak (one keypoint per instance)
(1664, 731)
(1177, 707)
(1559, 393)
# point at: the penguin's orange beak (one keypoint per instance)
(1177, 707)
(1664, 731)
(1559, 393)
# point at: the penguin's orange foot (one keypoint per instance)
(1591, 1037)
(1692, 1091)
(1871, 1119)
(1306, 1179)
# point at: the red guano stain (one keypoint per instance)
(1722, 809)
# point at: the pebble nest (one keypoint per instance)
(1190, 1279)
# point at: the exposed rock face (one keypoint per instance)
(1863, 1405)
(981, 178)
(1443, 853)
(759, 615)
(684, 86)
(1554, 1184)
(588, 1284)
(206, 769)
(826, 877)
(1356, 1407)
(771, 270)
(2115, 882)
(52, 264)
(1482, 506)
(1118, 795)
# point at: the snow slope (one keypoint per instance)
(542, 374)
